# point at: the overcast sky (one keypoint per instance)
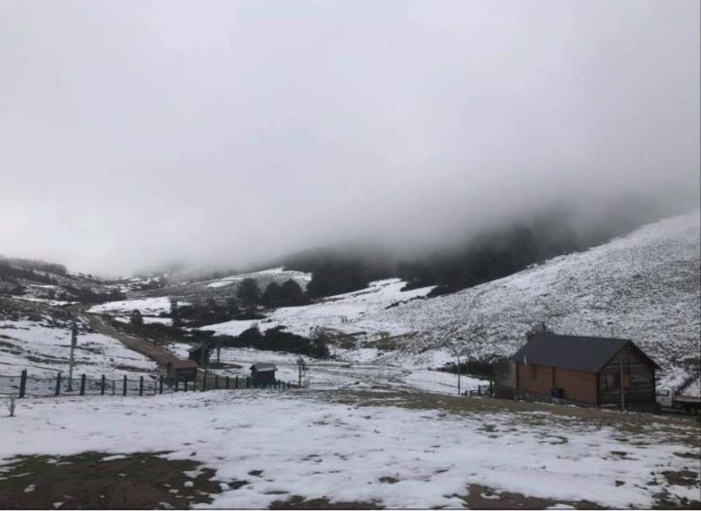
(136, 132)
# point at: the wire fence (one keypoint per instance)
(23, 385)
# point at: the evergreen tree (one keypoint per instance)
(291, 294)
(249, 292)
(135, 318)
(272, 296)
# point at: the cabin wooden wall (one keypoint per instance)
(264, 376)
(576, 385)
(638, 379)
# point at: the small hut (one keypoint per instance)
(200, 353)
(263, 372)
(182, 370)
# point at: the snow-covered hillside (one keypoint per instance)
(43, 348)
(350, 313)
(643, 286)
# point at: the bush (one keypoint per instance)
(276, 339)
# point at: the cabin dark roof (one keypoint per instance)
(198, 347)
(263, 367)
(572, 352)
(183, 364)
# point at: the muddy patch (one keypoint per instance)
(298, 502)
(482, 497)
(102, 481)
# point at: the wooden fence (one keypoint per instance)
(27, 386)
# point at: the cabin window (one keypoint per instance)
(612, 382)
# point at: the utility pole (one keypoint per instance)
(301, 367)
(74, 342)
(457, 357)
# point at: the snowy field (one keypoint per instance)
(43, 349)
(147, 306)
(278, 275)
(345, 313)
(281, 444)
(321, 374)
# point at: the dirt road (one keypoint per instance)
(138, 344)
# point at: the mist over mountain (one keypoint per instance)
(221, 134)
(474, 257)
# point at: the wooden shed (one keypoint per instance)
(182, 370)
(200, 353)
(594, 371)
(262, 372)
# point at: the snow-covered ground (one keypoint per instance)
(147, 306)
(43, 349)
(285, 443)
(347, 313)
(323, 374)
(273, 274)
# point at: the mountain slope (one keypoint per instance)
(643, 286)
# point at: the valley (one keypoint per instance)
(374, 424)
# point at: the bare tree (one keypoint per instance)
(449, 339)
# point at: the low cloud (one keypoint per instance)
(224, 133)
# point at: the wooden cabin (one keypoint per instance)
(182, 370)
(262, 372)
(593, 371)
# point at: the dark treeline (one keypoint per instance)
(208, 312)
(31, 264)
(10, 271)
(487, 256)
(12, 275)
(246, 305)
(335, 272)
(275, 339)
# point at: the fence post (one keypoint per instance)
(185, 385)
(177, 383)
(141, 385)
(216, 382)
(102, 385)
(247, 381)
(124, 389)
(204, 380)
(160, 385)
(82, 384)
(58, 384)
(23, 383)
(226, 382)
(236, 382)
